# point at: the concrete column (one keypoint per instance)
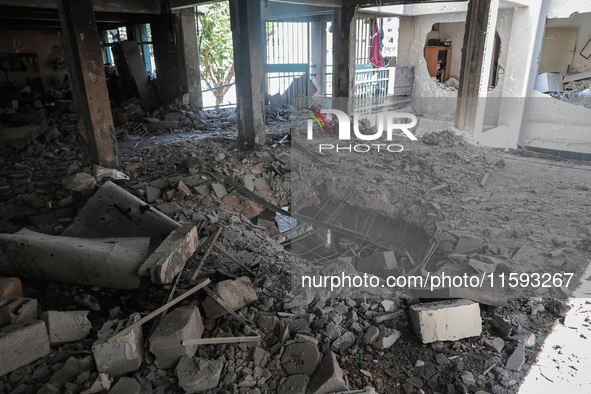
(344, 35)
(88, 75)
(248, 37)
(318, 54)
(168, 71)
(524, 52)
(189, 53)
(477, 54)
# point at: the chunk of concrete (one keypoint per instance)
(294, 384)
(377, 263)
(169, 259)
(517, 358)
(152, 194)
(67, 373)
(219, 190)
(21, 344)
(197, 374)
(166, 343)
(235, 294)
(123, 355)
(15, 310)
(448, 320)
(468, 244)
(120, 214)
(64, 327)
(343, 342)
(126, 385)
(328, 377)
(104, 262)
(371, 334)
(386, 341)
(301, 358)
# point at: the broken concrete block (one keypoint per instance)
(235, 294)
(260, 184)
(370, 335)
(172, 254)
(152, 194)
(448, 320)
(126, 385)
(517, 358)
(166, 343)
(21, 344)
(301, 358)
(343, 342)
(104, 262)
(294, 384)
(70, 371)
(182, 188)
(468, 244)
(377, 263)
(328, 377)
(15, 310)
(120, 214)
(219, 190)
(204, 190)
(386, 341)
(123, 355)
(64, 327)
(197, 374)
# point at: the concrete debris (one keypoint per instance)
(72, 368)
(343, 342)
(468, 244)
(166, 343)
(446, 320)
(14, 310)
(219, 190)
(235, 294)
(386, 341)
(300, 358)
(196, 374)
(64, 327)
(123, 355)
(370, 335)
(294, 384)
(378, 263)
(79, 182)
(328, 377)
(126, 385)
(517, 358)
(111, 262)
(87, 301)
(16, 337)
(170, 257)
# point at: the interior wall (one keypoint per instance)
(455, 32)
(583, 23)
(47, 46)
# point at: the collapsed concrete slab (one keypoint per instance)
(170, 257)
(448, 320)
(197, 374)
(123, 355)
(14, 310)
(235, 294)
(21, 344)
(120, 214)
(166, 343)
(64, 327)
(104, 262)
(328, 377)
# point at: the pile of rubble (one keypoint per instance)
(576, 92)
(175, 281)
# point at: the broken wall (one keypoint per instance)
(49, 66)
(428, 98)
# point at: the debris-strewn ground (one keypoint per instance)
(519, 214)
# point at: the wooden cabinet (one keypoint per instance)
(439, 62)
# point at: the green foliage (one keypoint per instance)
(217, 59)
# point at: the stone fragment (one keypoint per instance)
(448, 320)
(197, 374)
(166, 343)
(235, 294)
(517, 358)
(468, 244)
(300, 358)
(441, 359)
(123, 355)
(496, 344)
(64, 327)
(343, 342)
(387, 341)
(126, 385)
(170, 257)
(72, 368)
(294, 384)
(152, 194)
(328, 377)
(17, 337)
(15, 310)
(219, 190)
(370, 335)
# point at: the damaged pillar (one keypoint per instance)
(247, 34)
(344, 34)
(166, 56)
(318, 55)
(88, 77)
(189, 56)
(477, 51)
